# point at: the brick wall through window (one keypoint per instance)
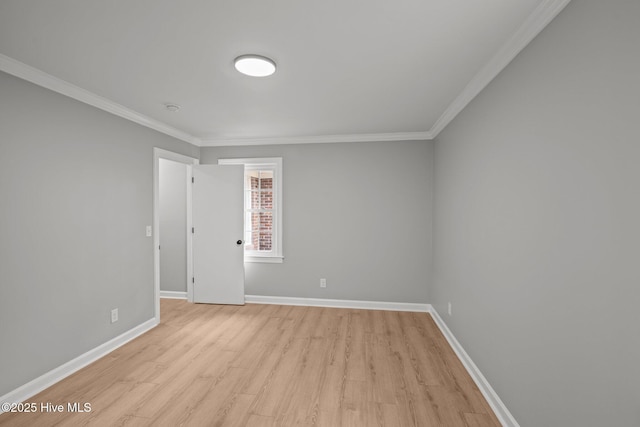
(261, 210)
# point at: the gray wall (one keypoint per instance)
(537, 223)
(173, 226)
(76, 190)
(358, 214)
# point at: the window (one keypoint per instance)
(262, 208)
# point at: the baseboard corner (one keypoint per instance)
(497, 405)
(338, 303)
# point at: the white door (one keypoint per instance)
(218, 249)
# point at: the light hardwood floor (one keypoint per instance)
(270, 365)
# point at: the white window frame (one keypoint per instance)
(275, 164)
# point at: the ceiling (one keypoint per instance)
(348, 70)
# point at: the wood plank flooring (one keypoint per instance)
(270, 365)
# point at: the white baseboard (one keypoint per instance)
(46, 380)
(499, 408)
(173, 294)
(338, 303)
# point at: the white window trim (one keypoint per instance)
(276, 255)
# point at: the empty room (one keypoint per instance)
(252, 213)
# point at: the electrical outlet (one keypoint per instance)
(323, 283)
(114, 315)
(449, 309)
(149, 231)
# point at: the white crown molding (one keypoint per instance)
(533, 25)
(46, 380)
(318, 139)
(499, 408)
(40, 78)
(338, 303)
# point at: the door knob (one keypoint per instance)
(239, 242)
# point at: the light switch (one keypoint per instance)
(148, 231)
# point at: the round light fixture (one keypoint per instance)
(255, 65)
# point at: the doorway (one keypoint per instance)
(175, 168)
(173, 229)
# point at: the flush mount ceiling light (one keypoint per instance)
(255, 65)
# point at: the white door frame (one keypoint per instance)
(159, 153)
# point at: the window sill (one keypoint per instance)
(264, 259)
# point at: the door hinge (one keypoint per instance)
(158, 247)
(193, 280)
(193, 230)
(193, 180)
